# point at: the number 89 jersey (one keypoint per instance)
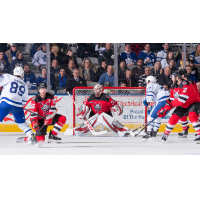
(15, 90)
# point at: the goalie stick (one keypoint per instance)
(86, 121)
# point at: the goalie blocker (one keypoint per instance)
(102, 106)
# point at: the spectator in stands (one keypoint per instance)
(142, 79)
(109, 76)
(122, 70)
(60, 80)
(39, 59)
(195, 70)
(155, 47)
(190, 75)
(69, 55)
(122, 84)
(100, 47)
(29, 78)
(180, 63)
(198, 86)
(163, 53)
(43, 77)
(157, 70)
(196, 56)
(85, 50)
(70, 68)
(107, 55)
(129, 57)
(172, 66)
(100, 70)
(129, 79)
(19, 62)
(3, 47)
(87, 72)
(139, 70)
(137, 47)
(3, 63)
(35, 47)
(148, 57)
(165, 61)
(54, 69)
(165, 79)
(56, 54)
(75, 81)
(10, 55)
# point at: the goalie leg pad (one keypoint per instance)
(112, 124)
(83, 128)
(25, 127)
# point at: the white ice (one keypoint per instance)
(73, 145)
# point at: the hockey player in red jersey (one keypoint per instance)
(102, 106)
(183, 120)
(44, 104)
(188, 102)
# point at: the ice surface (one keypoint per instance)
(73, 145)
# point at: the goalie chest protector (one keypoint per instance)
(100, 104)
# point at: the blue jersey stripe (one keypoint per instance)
(11, 101)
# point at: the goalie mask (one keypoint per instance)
(98, 89)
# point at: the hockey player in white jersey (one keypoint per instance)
(159, 95)
(13, 97)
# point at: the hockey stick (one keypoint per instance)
(86, 121)
(148, 124)
(47, 117)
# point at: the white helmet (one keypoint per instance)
(98, 89)
(18, 71)
(152, 79)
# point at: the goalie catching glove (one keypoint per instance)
(117, 109)
(83, 111)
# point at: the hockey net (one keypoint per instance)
(134, 112)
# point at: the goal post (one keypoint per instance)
(134, 112)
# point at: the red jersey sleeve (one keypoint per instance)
(183, 97)
(87, 103)
(52, 108)
(34, 109)
(112, 102)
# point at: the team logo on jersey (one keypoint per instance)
(176, 95)
(97, 106)
(45, 107)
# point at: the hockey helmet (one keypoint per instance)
(177, 74)
(183, 72)
(98, 89)
(18, 71)
(152, 79)
(42, 85)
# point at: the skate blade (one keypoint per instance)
(153, 138)
(54, 141)
(197, 142)
(163, 141)
(185, 136)
(146, 140)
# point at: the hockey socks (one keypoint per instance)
(184, 123)
(58, 125)
(195, 121)
(173, 120)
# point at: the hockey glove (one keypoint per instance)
(117, 109)
(48, 121)
(83, 111)
(35, 125)
(163, 111)
(145, 102)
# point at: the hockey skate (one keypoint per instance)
(53, 138)
(153, 134)
(32, 140)
(147, 136)
(21, 140)
(164, 138)
(197, 139)
(184, 133)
